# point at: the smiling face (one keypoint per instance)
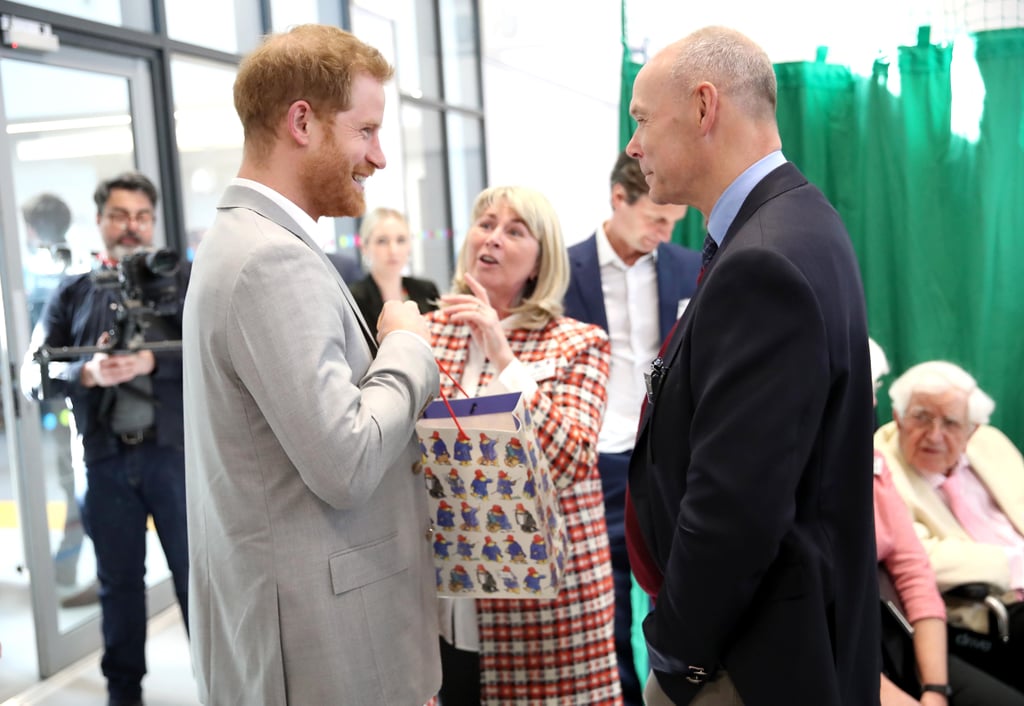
(345, 153)
(502, 254)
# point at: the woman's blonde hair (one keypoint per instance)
(371, 219)
(541, 299)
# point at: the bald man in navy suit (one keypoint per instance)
(750, 511)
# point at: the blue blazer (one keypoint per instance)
(677, 269)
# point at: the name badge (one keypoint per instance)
(542, 369)
(653, 378)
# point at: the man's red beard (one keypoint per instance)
(327, 181)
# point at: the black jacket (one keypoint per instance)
(368, 297)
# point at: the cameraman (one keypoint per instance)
(128, 412)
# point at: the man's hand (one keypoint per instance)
(106, 370)
(401, 316)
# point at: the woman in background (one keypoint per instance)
(501, 330)
(385, 244)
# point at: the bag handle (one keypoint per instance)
(444, 398)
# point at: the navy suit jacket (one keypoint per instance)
(676, 268)
(751, 476)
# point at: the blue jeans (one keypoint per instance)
(122, 492)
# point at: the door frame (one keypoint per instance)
(56, 650)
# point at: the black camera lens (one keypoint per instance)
(162, 263)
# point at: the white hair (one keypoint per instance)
(937, 376)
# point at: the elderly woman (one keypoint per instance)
(921, 673)
(386, 243)
(963, 481)
(500, 330)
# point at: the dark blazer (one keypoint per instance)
(368, 297)
(751, 476)
(676, 269)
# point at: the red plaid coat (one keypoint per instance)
(560, 651)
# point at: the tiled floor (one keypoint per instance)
(169, 682)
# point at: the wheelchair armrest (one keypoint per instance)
(983, 593)
(969, 591)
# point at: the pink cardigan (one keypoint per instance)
(900, 550)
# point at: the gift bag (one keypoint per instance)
(498, 528)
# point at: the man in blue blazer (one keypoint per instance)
(615, 276)
(749, 512)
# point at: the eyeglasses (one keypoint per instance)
(143, 220)
(923, 419)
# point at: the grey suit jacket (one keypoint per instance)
(311, 579)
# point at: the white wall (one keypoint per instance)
(551, 73)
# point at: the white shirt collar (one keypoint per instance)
(301, 217)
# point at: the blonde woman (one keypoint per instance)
(385, 243)
(501, 330)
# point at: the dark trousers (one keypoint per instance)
(122, 492)
(614, 470)
(971, 686)
(460, 676)
(1005, 661)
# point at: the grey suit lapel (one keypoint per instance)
(236, 196)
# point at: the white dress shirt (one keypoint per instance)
(631, 305)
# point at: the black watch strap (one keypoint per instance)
(944, 689)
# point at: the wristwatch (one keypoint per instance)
(944, 689)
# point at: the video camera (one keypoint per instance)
(147, 290)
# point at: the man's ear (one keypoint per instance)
(299, 121)
(618, 196)
(707, 103)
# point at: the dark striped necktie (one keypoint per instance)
(708, 252)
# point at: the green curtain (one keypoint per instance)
(937, 218)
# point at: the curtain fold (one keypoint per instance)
(996, 337)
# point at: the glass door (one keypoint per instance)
(67, 120)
